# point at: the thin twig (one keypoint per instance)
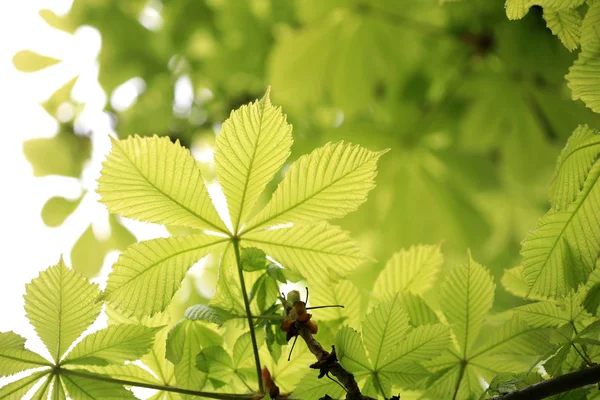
(560, 384)
(332, 367)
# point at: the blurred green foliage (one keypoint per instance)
(474, 107)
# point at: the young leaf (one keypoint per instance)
(91, 389)
(147, 275)
(465, 297)
(253, 259)
(216, 363)
(152, 179)
(113, 345)
(318, 251)
(204, 312)
(61, 304)
(412, 270)
(14, 357)
(253, 145)
(382, 329)
(328, 183)
(573, 166)
(242, 350)
(182, 335)
(18, 388)
(184, 343)
(556, 255)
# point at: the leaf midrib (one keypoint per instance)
(562, 231)
(153, 265)
(387, 322)
(169, 197)
(276, 215)
(310, 249)
(239, 216)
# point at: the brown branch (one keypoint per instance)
(327, 363)
(560, 384)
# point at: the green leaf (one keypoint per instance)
(590, 37)
(514, 281)
(242, 350)
(216, 363)
(184, 343)
(113, 345)
(57, 209)
(419, 313)
(382, 329)
(204, 312)
(573, 166)
(86, 388)
(465, 298)
(319, 251)
(63, 154)
(413, 270)
(181, 336)
(314, 388)
(264, 292)
(29, 61)
(88, 253)
(253, 145)
(516, 338)
(129, 372)
(351, 352)
(154, 180)
(14, 357)
(543, 314)
(60, 96)
(328, 183)
(61, 304)
(566, 24)
(423, 343)
(583, 78)
(147, 275)
(516, 9)
(18, 389)
(43, 391)
(556, 255)
(253, 259)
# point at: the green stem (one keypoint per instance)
(102, 378)
(236, 248)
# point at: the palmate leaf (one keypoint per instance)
(113, 345)
(14, 357)
(573, 166)
(216, 363)
(253, 145)
(18, 388)
(204, 312)
(155, 180)
(419, 313)
(351, 352)
(561, 252)
(517, 9)
(316, 251)
(147, 275)
(328, 183)
(466, 297)
(314, 388)
(43, 391)
(128, 372)
(413, 270)
(61, 304)
(422, 343)
(590, 37)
